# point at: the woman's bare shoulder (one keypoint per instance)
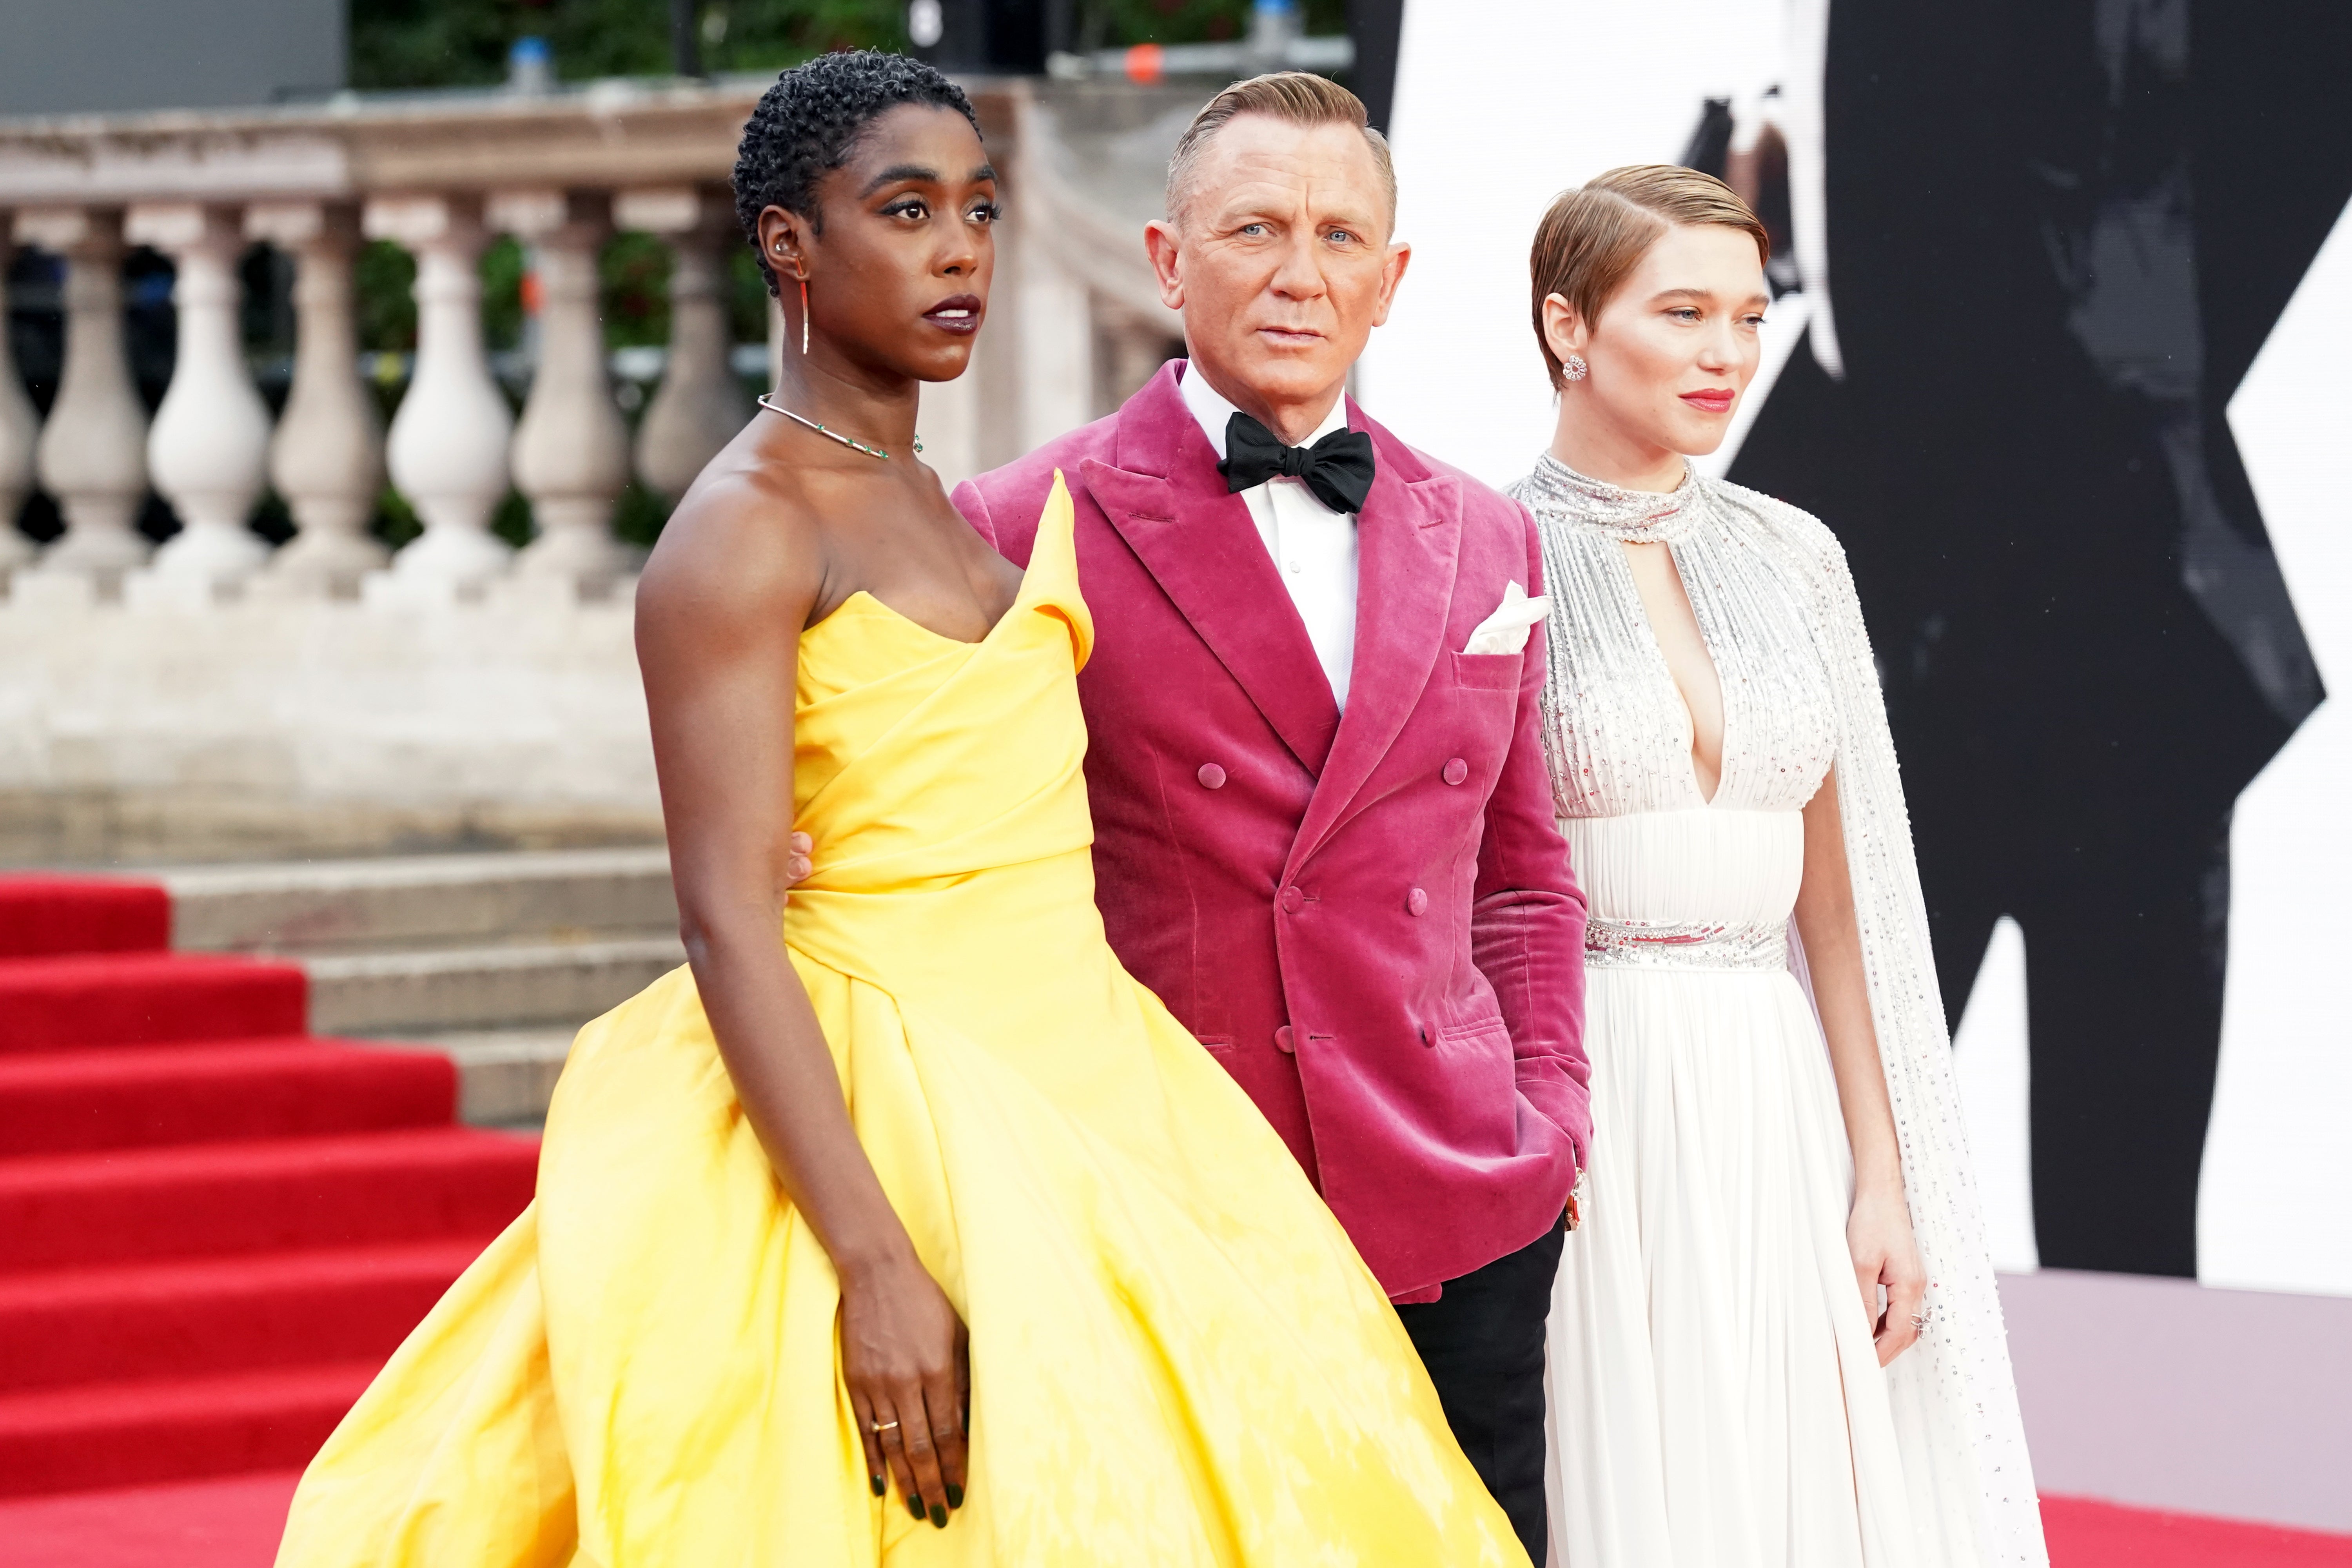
(743, 545)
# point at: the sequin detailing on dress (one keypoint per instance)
(1770, 592)
(1685, 944)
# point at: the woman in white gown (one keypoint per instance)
(1775, 1341)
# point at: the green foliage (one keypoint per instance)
(503, 264)
(415, 44)
(747, 297)
(412, 44)
(634, 274)
(385, 278)
(638, 516)
(511, 522)
(396, 521)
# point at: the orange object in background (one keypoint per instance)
(1145, 65)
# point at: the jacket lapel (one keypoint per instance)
(1168, 502)
(1408, 538)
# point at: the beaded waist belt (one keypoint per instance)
(1685, 944)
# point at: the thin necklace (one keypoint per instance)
(834, 435)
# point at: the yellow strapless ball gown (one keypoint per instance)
(1177, 1358)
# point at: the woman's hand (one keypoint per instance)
(1878, 1236)
(904, 1356)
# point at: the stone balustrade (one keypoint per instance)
(442, 176)
(217, 687)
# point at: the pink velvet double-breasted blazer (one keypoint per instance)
(1370, 920)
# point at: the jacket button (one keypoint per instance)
(1456, 771)
(1210, 776)
(1293, 899)
(1417, 902)
(1283, 1041)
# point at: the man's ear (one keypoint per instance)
(1392, 274)
(1159, 243)
(1565, 332)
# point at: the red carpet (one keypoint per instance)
(213, 1229)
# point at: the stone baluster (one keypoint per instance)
(328, 458)
(208, 450)
(571, 448)
(92, 454)
(20, 430)
(701, 402)
(448, 446)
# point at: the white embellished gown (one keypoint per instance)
(1716, 1401)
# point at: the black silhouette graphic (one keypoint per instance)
(2059, 232)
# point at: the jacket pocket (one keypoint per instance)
(1482, 1079)
(1490, 671)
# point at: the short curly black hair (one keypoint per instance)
(808, 123)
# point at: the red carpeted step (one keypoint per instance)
(230, 1522)
(220, 1314)
(145, 998)
(124, 1434)
(55, 1102)
(67, 1210)
(42, 915)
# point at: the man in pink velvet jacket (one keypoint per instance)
(1323, 830)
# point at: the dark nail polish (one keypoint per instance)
(877, 1483)
(939, 1517)
(955, 1495)
(914, 1506)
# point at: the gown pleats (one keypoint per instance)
(1177, 1356)
(1717, 1400)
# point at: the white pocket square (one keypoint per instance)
(1505, 631)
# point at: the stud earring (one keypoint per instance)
(1573, 368)
(804, 315)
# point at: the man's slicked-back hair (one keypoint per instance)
(1300, 98)
(807, 125)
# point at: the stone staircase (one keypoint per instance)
(495, 959)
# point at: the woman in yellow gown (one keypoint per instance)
(926, 1237)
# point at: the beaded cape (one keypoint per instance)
(1774, 600)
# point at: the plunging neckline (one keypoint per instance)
(1613, 513)
(1633, 585)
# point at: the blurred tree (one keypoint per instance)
(415, 44)
(411, 43)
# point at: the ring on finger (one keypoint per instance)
(881, 1426)
(1919, 1322)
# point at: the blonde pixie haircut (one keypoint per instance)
(1593, 234)
(1300, 98)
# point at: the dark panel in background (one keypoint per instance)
(988, 37)
(1375, 25)
(68, 57)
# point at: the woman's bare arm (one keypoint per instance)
(719, 613)
(1878, 1230)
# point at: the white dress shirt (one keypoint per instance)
(1313, 547)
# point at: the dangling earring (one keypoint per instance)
(1573, 368)
(804, 315)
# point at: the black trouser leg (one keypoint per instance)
(1483, 1342)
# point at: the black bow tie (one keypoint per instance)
(1338, 468)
